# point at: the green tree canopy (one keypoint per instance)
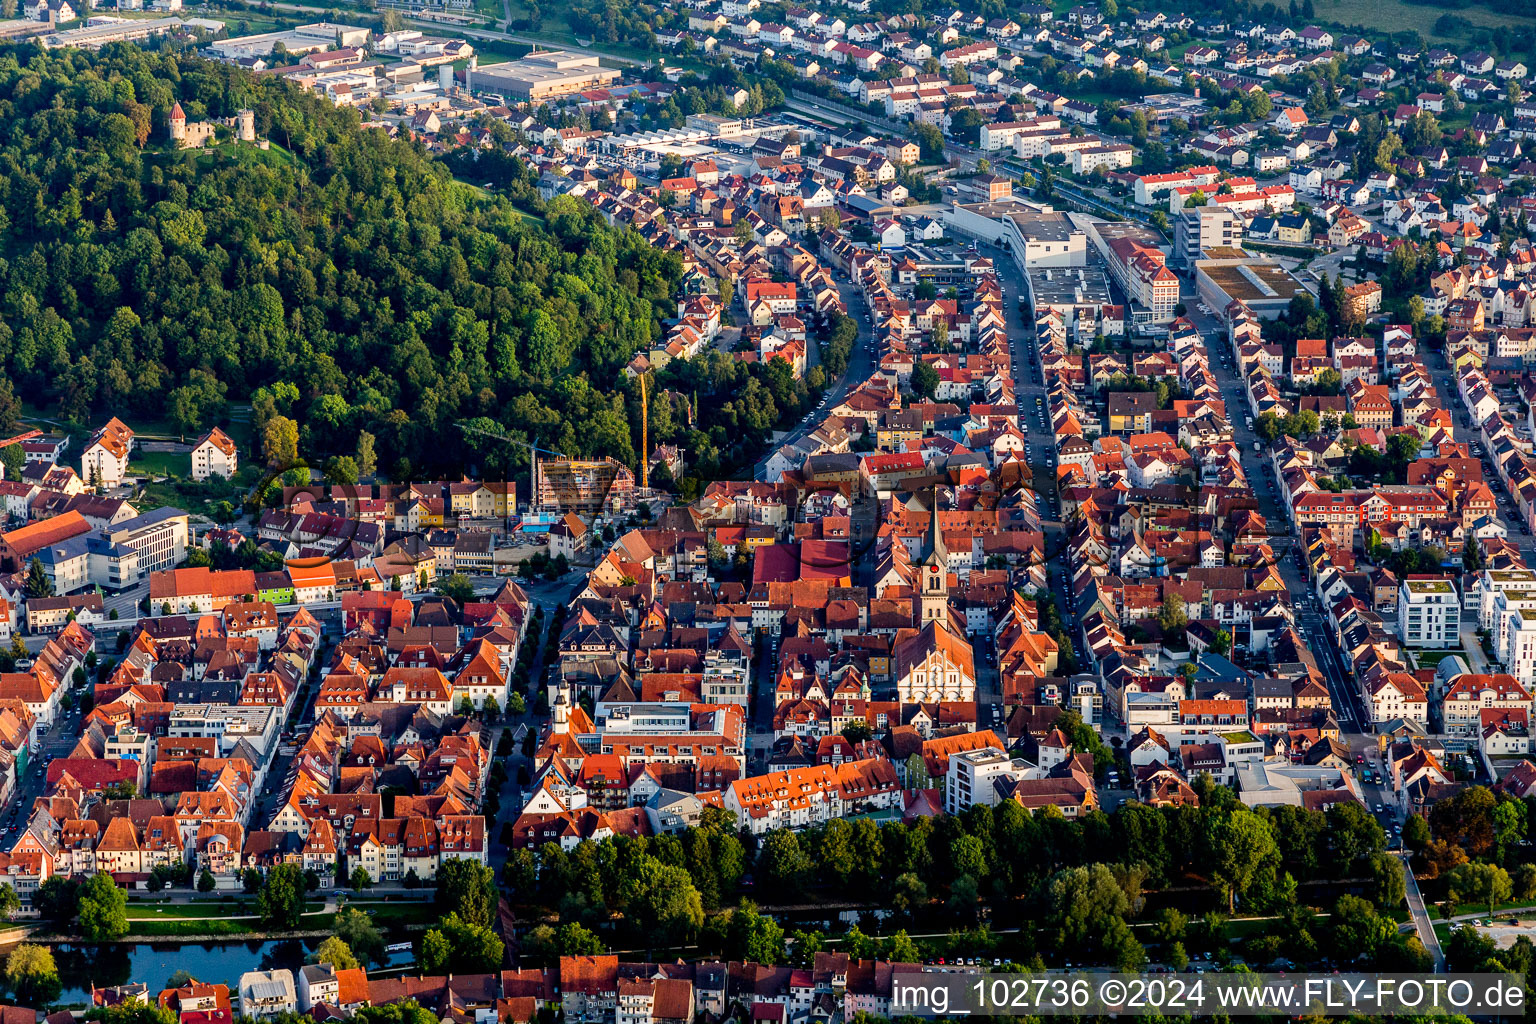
(32, 976)
(280, 903)
(337, 953)
(467, 888)
(103, 912)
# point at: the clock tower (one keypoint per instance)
(933, 570)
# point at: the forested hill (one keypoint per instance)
(341, 277)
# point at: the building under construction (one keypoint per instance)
(585, 485)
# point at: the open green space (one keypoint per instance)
(1429, 659)
(203, 908)
(237, 916)
(1396, 16)
(159, 463)
(555, 28)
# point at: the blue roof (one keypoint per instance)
(1214, 666)
(75, 547)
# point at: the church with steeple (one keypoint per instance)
(933, 575)
(934, 662)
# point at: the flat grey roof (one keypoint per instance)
(1078, 285)
(1046, 227)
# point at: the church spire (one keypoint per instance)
(934, 551)
(933, 570)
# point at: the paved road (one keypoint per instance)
(1348, 703)
(861, 363)
(1034, 422)
(1450, 398)
(1420, 915)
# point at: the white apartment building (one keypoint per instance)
(1517, 642)
(104, 460)
(973, 775)
(1428, 613)
(1489, 584)
(214, 455)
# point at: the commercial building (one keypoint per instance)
(229, 724)
(322, 35)
(89, 560)
(542, 76)
(1264, 286)
(112, 30)
(1079, 294)
(1036, 236)
(1141, 271)
(158, 538)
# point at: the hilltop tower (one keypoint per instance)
(178, 124)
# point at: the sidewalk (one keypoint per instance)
(1477, 661)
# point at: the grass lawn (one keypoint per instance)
(555, 28)
(171, 911)
(207, 908)
(501, 48)
(246, 153)
(159, 463)
(1239, 928)
(553, 24)
(1395, 16)
(1429, 659)
(46, 418)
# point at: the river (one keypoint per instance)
(81, 966)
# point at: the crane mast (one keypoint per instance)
(533, 458)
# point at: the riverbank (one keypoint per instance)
(207, 936)
(236, 920)
(216, 960)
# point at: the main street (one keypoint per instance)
(861, 363)
(1450, 398)
(1348, 703)
(1034, 421)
